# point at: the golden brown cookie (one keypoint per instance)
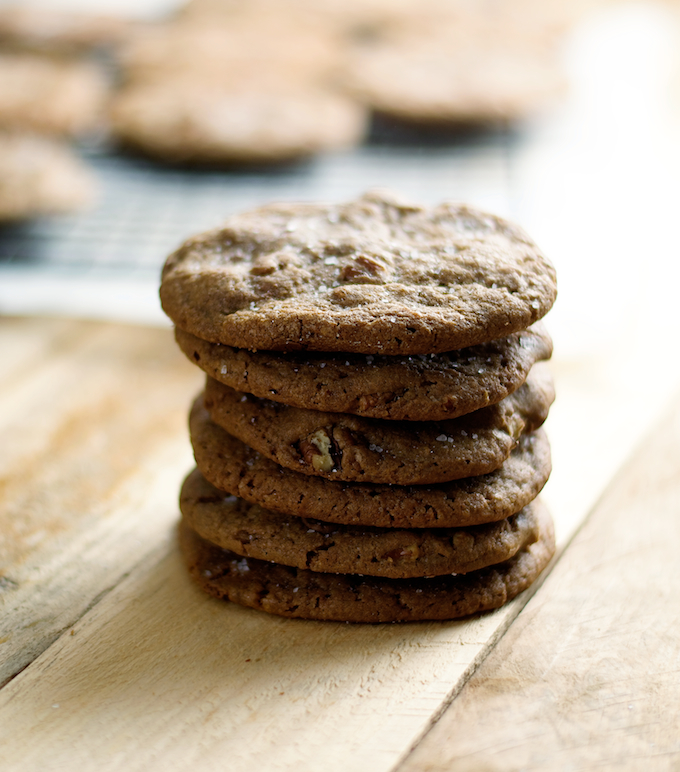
(340, 446)
(276, 44)
(425, 387)
(299, 592)
(235, 468)
(370, 276)
(460, 66)
(249, 530)
(189, 119)
(51, 96)
(58, 32)
(40, 176)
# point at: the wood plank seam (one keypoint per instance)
(518, 605)
(528, 594)
(590, 716)
(74, 621)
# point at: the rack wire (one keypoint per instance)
(146, 209)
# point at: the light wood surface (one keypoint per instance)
(153, 663)
(92, 444)
(111, 658)
(588, 677)
(126, 665)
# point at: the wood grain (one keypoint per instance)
(158, 676)
(588, 677)
(139, 670)
(92, 444)
(128, 666)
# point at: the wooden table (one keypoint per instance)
(112, 659)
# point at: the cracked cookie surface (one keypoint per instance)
(233, 467)
(339, 446)
(297, 592)
(249, 530)
(370, 276)
(425, 387)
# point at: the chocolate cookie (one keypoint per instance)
(466, 69)
(234, 467)
(40, 176)
(299, 592)
(340, 446)
(249, 530)
(272, 42)
(51, 96)
(419, 387)
(189, 119)
(370, 276)
(58, 32)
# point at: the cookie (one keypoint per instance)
(233, 467)
(340, 446)
(51, 96)
(299, 592)
(457, 68)
(370, 276)
(275, 43)
(425, 387)
(194, 120)
(257, 89)
(40, 176)
(59, 32)
(249, 530)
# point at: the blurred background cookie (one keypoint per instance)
(238, 82)
(50, 95)
(469, 68)
(53, 94)
(40, 176)
(432, 62)
(191, 120)
(56, 31)
(235, 47)
(250, 88)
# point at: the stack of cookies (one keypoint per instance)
(368, 444)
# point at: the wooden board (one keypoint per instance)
(589, 676)
(92, 445)
(126, 664)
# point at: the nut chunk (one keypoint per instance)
(316, 451)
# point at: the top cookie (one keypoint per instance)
(370, 276)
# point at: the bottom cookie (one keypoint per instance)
(297, 592)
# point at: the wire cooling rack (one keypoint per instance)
(146, 209)
(595, 180)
